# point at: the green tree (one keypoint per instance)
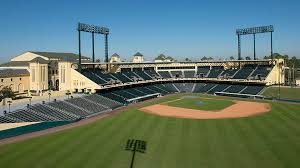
(248, 58)
(6, 92)
(231, 58)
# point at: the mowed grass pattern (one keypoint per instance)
(208, 103)
(269, 140)
(285, 92)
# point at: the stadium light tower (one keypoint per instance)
(254, 31)
(92, 29)
(135, 146)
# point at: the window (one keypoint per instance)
(20, 79)
(11, 79)
(2, 80)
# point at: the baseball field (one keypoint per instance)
(270, 137)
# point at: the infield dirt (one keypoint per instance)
(237, 110)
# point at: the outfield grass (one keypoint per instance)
(208, 104)
(285, 93)
(269, 140)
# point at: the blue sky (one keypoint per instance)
(177, 28)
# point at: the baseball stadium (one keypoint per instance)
(70, 110)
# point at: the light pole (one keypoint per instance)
(135, 146)
(9, 103)
(30, 101)
(49, 96)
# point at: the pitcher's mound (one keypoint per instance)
(237, 110)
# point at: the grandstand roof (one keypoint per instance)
(40, 60)
(15, 64)
(13, 72)
(116, 55)
(59, 55)
(138, 54)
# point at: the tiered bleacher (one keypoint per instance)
(261, 72)
(203, 71)
(176, 74)
(245, 71)
(70, 108)
(189, 74)
(165, 74)
(90, 106)
(215, 72)
(107, 100)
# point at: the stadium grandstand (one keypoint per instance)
(129, 82)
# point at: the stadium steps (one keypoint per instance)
(49, 117)
(63, 112)
(211, 88)
(131, 93)
(101, 78)
(119, 95)
(4, 119)
(220, 74)
(252, 72)
(99, 104)
(50, 113)
(161, 89)
(110, 100)
(14, 119)
(81, 108)
(150, 90)
(235, 73)
(226, 88)
(68, 107)
(145, 72)
(243, 89)
(193, 88)
(176, 88)
(207, 74)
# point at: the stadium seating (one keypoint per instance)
(90, 106)
(198, 86)
(229, 73)
(165, 74)
(245, 71)
(253, 90)
(4, 119)
(184, 87)
(261, 72)
(143, 75)
(93, 76)
(218, 88)
(176, 74)
(29, 115)
(70, 108)
(121, 77)
(204, 88)
(57, 115)
(153, 74)
(203, 71)
(189, 74)
(115, 97)
(104, 101)
(215, 72)
(234, 88)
